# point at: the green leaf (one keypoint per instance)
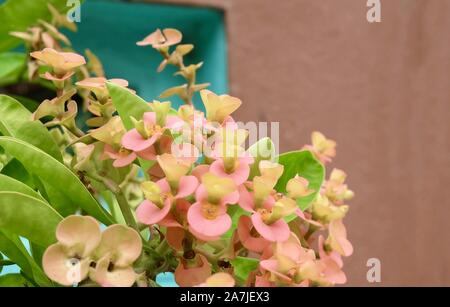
(264, 149)
(28, 103)
(129, 105)
(12, 66)
(15, 121)
(14, 280)
(235, 212)
(304, 164)
(243, 266)
(13, 248)
(56, 174)
(15, 169)
(13, 185)
(28, 217)
(18, 15)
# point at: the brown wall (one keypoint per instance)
(382, 91)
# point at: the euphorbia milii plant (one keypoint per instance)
(148, 188)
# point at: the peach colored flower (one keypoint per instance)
(60, 62)
(119, 248)
(324, 149)
(335, 188)
(337, 239)
(162, 39)
(97, 85)
(67, 261)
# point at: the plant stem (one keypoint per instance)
(163, 247)
(126, 211)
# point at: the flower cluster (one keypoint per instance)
(204, 205)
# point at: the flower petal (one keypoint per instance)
(62, 268)
(202, 225)
(118, 277)
(246, 200)
(147, 154)
(123, 161)
(150, 118)
(239, 175)
(79, 232)
(123, 243)
(187, 186)
(275, 232)
(132, 140)
(148, 213)
(255, 244)
(203, 237)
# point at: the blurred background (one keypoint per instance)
(381, 90)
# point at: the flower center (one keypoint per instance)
(265, 214)
(210, 211)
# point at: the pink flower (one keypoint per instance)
(239, 174)
(207, 217)
(159, 199)
(147, 132)
(248, 240)
(146, 136)
(272, 230)
(122, 157)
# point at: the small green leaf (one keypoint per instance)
(243, 266)
(15, 169)
(56, 174)
(129, 105)
(15, 121)
(30, 104)
(28, 217)
(13, 185)
(235, 212)
(12, 66)
(304, 164)
(14, 280)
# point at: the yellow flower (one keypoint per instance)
(218, 108)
